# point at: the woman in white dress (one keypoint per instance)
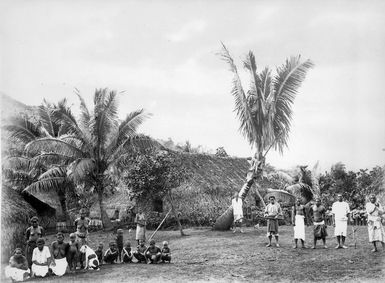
(140, 220)
(237, 212)
(375, 227)
(41, 259)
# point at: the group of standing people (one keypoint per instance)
(304, 214)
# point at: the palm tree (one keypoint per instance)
(95, 143)
(28, 171)
(264, 112)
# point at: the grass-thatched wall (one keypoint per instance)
(204, 196)
(15, 214)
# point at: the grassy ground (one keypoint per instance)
(207, 255)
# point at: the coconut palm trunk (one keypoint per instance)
(255, 173)
(103, 214)
(264, 112)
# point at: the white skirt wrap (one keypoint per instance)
(299, 228)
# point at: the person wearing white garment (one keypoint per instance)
(375, 227)
(340, 211)
(41, 259)
(17, 270)
(59, 251)
(237, 212)
(298, 220)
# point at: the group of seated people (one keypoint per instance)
(62, 257)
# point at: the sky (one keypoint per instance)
(163, 56)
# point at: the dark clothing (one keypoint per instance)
(139, 254)
(110, 256)
(126, 255)
(166, 254)
(119, 244)
(99, 254)
(320, 231)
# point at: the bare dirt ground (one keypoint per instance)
(214, 256)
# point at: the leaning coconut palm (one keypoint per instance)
(29, 171)
(95, 142)
(264, 112)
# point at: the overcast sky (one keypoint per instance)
(163, 54)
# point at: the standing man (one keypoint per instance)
(237, 212)
(319, 214)
(272, 212)
(375, 226)
(340, 211)
(298, 220)
(82, 223)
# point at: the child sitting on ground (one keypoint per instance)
(119, 243)
(166, 253)
(73, 253)
(41, 259)
(139, 254)
(153, 253)
(126, 253)
(17, 269)
(111, 255)
(99, 253)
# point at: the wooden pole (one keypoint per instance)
(153, 234)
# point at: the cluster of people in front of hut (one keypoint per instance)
(316, 214)
(62, 257)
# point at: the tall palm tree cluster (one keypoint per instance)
(61, 151)
(264, 112)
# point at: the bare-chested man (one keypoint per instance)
(319, 213)
(59, 251)
(298, 220)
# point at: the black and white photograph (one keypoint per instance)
(192, 141)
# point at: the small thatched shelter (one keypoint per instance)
(15, 215)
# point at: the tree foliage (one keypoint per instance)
(152, 174)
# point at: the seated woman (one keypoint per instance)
(41, 259)
(17, 270)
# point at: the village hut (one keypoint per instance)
(15, 215)
(200, 199)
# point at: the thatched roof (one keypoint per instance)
(215, 176)
(14, 209)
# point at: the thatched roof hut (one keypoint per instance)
(15, 215)
(205, 195)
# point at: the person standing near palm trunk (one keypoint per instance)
(264, 112)
(238, 212)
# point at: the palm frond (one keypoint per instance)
(85, 115)
(47, 185)
(241, 106)
(138, 143)
(57, 145)
(45, 112)
(286, 83)
(105, 119)
(80, 169)
(127, 128)
(23, 130)
(18, 162)
(52, 158)
(57, 171)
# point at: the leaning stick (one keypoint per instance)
(153, 234)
